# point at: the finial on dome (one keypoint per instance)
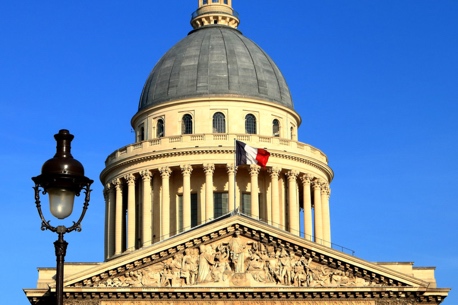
(215, 12)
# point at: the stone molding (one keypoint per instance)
(253, 234)
(171, 154)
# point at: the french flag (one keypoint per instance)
(245, 154)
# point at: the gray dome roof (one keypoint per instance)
(215, 61)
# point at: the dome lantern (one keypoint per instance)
(215, 12)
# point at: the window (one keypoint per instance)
(250, 124)
(245, 207)
(225, 1)
(186, 124)
(215, 1)
(141, 133)
(221, 204)
(194, 211)
(276, 128)
(292, 133)
(205, 2)
(219, 123)
(160, 128)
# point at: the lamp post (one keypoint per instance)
(62, 178)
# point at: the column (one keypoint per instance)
(209, 169)
(110, 223)
(293, 210)
(147, 211)
(325, 193)
(131, 211)
(165, 206)
(274, 215)
(107, 209)
(254, 173)
(119, 215)
(318, 211)
(186, 170)
(307, 199)
(231, 171)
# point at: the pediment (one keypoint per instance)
(238, 252)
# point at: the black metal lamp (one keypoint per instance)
(62, 178)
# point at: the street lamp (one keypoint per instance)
(62, 178)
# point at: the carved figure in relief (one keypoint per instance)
(287, 264)
(255, 266)
(302, 275)
(189, 267)
(206, 261)
(234, 261)
(152, 276)
(237, 248)
(273, 266)
(221, 271)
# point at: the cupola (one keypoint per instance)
(215, 12)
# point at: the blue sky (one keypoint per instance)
(375, 82)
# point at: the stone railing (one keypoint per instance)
(215, 141)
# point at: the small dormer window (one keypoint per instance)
(219, 123)
(250, 124)
(276, 128)
(160, 128)
(141, 133)
(186, 124)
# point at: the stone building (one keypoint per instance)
(185, 225)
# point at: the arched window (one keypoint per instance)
(276, 128)
(250, 124)
(160, 128)
(141, 133)
(186, 124)
(219, 123)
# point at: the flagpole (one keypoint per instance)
(235, 173)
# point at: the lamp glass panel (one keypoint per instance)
(61, 202)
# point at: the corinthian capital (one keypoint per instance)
(325, 190)
(316, 184)
(209, 168)
(118, 184)
(231, 168)
(292, 175)
(254, 169)
(130, 178)
(165, 172)
(186, 169)
(306, 178)
(274, 172)
(146, 175)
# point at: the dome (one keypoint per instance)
(215, 61)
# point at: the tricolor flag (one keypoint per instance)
(245, 154)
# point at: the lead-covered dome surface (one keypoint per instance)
(215, 61)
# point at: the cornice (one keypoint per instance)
(157, 155)
(211, 232)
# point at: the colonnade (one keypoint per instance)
(130, 215)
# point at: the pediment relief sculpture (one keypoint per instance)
(235, 261)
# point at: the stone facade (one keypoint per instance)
(185, 225)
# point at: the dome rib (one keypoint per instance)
(215, 61)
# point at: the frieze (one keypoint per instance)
(233, 261)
